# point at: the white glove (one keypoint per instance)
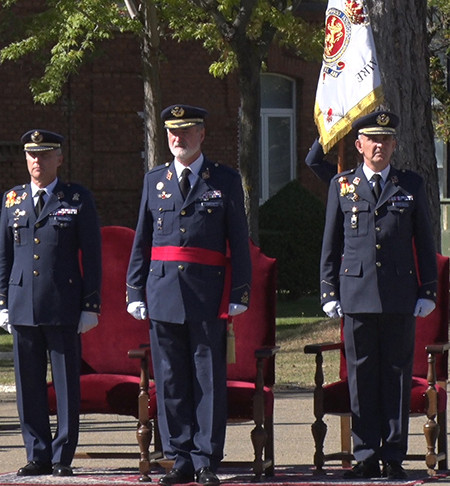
(236, 309)
(333, 309)
(137, 310)
(4, 320)
(88, 320)
(424, 307)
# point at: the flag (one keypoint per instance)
(349, 84)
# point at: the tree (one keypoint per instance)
(404, 66)
(438, 21)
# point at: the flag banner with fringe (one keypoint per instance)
(349, 84)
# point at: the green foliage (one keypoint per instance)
(61, 34)
(219, 25)
(290, 229)
(438, 22)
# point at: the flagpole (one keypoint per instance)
(341, 152)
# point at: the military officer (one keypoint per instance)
(47, 298)
(191, 211)
(368, 275)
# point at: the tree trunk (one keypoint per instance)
(154, 133)
(249, 151)
(400, 35)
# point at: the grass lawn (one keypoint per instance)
(298, 323)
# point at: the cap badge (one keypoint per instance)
(383, 120)
(177, 111)
(37, 137)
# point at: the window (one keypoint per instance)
(277, 134)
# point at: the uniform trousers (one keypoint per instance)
(33, 345)
(379, 352)
(189, 362)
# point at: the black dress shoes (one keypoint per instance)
(394, 470)
(35, 469)
(364, 470)
(206, 476)
(61, 470)
(175, 476)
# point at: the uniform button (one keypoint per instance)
(36, 257)
(2, 302)
(35, 273)
(183, 212)
(209, 211)
(346, 270)
(183, 230)
(332, 294)
(377, 228)
(378, 246)
(324, 295)
(181, 268)
(376, 212)
(37, 241)
(378, 264)
(87, 305)
(37, 225)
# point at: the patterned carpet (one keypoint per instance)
(290, 476)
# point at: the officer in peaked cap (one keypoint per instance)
(377, 226)
(41, 140)
(47, 298)
(183, 116)
(376, 123)
(192, 209)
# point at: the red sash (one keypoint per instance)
(201, 256)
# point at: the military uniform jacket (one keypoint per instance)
(212, 217)
(41, 281)
(368, 260)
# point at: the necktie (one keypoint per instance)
(185, 185)
(376, 178)
(40, 202)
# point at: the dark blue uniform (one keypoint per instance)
(45, 291)
(183, 298)
(368, 264)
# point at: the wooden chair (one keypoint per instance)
(429, 386)
(111, 382)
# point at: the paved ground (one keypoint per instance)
(293, 440)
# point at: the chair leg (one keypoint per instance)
(319, 427)
(442, 441)
(144, 430)
(431, 428)
(346, 441)
(258, 434)
(269, 455)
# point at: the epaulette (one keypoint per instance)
(344, 173)
(159, 167)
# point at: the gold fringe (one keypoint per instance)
(344, 125)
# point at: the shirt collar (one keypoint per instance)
(194, 167)
(48, 190)
(369, 172)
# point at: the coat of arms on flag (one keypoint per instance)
(349, 83)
